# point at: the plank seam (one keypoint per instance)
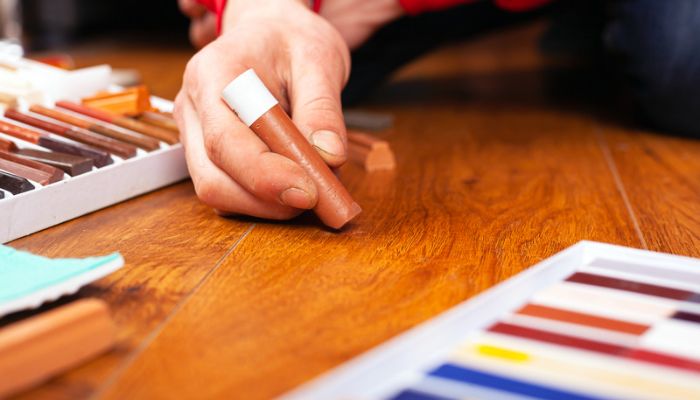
(612, 166)
(109, 382)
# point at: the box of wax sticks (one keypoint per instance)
(62, 157)
(595, 321)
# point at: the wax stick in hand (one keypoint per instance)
(257, 108)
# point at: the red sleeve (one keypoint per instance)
(414, 7)
(217, 7)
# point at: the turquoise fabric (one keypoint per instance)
(23, 273)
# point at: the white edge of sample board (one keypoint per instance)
(381, 371)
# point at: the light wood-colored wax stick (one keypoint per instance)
(372, 153)
(44, 345)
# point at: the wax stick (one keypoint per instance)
(14, 184)
(257, 108)
(71, 164)
(116, 147)
(23, 171)
(99, 157)
(54, 174)
(7, 145)
(128, 123)
(39, 347)
(144, 142)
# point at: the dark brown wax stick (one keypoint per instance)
(71, 164)
(14, 184)
(134, 138)
(99, 158)
(257, 108)
(54, 174)
(115, 147)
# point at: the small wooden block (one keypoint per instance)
(42, 346)
(371, 152)
(132, 101)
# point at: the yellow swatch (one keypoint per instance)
(499, 352)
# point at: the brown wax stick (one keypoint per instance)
(7, 145)
(70, 164)
(160, 120)
(115, 147)
(258, 109)
(124, 122)
(54, 174)
(24, 171)
(371, 152)
(21, 133)
(137, 139)
(99, 158)
(37, 348)
(14, 184)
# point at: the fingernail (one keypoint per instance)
(328, 142)
(297, 198)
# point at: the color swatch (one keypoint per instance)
(594, 322)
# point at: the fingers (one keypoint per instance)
(316, 106)
(213, 186)
(191, 8)
(234, 149)
(203, 30)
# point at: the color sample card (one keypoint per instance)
(595, 321)
(28, 280)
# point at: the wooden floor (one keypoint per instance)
(501, 163)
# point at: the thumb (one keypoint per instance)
(316, 110)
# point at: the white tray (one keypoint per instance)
(49, 205)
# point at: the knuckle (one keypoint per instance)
(213, 143)
(207, 190)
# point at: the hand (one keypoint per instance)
(357, 20)
(203, 24)
(305, 63)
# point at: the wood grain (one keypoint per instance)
(660, 175)
(495, 171)
(478, 195)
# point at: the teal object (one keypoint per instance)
(37, 279)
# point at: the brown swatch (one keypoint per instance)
(630, 286)
(594, 321)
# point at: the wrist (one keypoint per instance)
(235, 9)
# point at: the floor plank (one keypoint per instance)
(480, 193)
(661, 178)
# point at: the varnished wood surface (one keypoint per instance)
(493, 175)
